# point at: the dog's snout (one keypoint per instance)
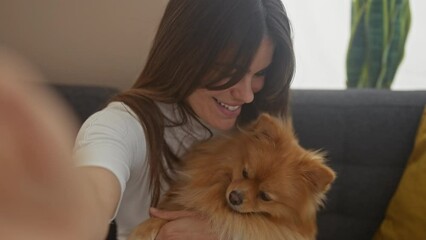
(235, 198)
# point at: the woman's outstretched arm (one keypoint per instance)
(42, 194)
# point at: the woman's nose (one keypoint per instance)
(242, 90)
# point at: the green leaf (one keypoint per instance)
(395, 53)
(356, 52)
(379, 30)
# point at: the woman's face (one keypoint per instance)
(220, 109)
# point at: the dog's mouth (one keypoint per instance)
(242, 212)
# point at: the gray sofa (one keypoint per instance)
(368, 136)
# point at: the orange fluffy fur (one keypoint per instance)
(257, 183)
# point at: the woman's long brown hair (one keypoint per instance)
(193, 35)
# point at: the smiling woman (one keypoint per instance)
(214, 64)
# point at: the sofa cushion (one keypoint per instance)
(368, 135)
(406, 214)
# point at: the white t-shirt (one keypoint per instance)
(114, 139)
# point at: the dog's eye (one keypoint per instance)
(264, 196)
(245, 173)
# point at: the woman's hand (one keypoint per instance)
(40, 196)
(183, 225)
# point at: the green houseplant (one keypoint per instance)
(379, 30)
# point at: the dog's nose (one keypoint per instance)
(235, 198)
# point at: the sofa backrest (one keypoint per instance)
(84, 100)
(368, 136)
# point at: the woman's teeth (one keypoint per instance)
(230, 108)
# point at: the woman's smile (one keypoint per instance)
(231, 111)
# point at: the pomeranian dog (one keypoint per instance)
(257, 183)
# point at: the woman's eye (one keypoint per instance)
(264, 196)
(261, 73)
(245, 173)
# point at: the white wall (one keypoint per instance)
(321, 30)
(102, 42)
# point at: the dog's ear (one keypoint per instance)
(318, 174)
(271, 127)
(267, 125)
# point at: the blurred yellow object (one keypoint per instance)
(405, 217)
